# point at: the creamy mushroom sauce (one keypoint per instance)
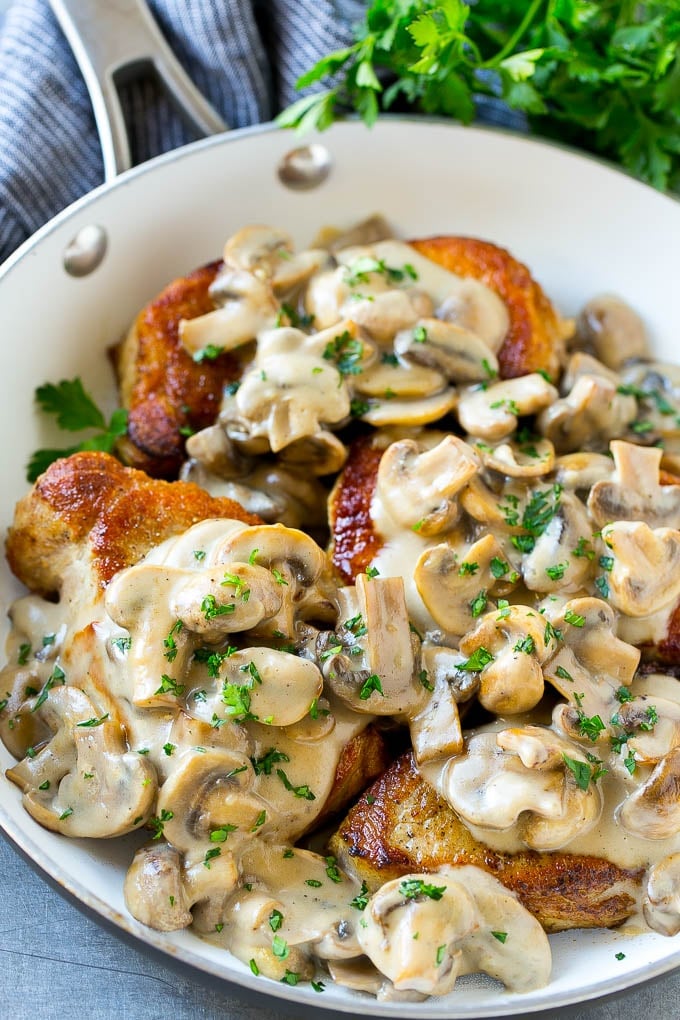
(210, 693)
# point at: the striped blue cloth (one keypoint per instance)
(244, 55)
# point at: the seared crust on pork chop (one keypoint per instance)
(401, 825)
(163, 388)
(353, 536)
(90, 498)
(536, 334)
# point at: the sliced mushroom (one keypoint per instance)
(209, 792)
(661, 903)
(401, 380)
(248, 306)
(587, 627)
(613, 329)
(653, 810)
(84, 782)
(593, 411)
(454, 588)
(582, 470)
(634, 492)
(456, 914)
(523, 777)
(153, 888)
(419, 489)
(269, 254)
(510, 646)
(492, 412)
(436, 730)
(394, 915)
(518, 459)
(411, 412)
(551, 565)
(298, 567)
(285, 399)
(273, 686)
(458, 353)
(644, 577)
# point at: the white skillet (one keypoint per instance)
(580, 226)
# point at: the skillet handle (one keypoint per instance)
(113, 42)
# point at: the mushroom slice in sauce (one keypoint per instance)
(84, 782)
(492, 412)
(517, 459)
(613, 329)
(661, 903)
(419, 488)
(466, 922)
(653, 810)
(508, 648)
(634, 492)
(458, 353)
(644, 576)
(528, 777)
(593, 411)
(455, 588)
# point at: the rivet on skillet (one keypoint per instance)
(305, 168)
(86, 251)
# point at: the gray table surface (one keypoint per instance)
(55, 962)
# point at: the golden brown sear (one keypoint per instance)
(90, 499)
(401, 825)
(536, 332)
(168, 394)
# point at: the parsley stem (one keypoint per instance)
(531, 13)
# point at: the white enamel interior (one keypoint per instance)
(580, 226)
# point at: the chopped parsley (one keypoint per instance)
(265, 764)
(346, 353)
(556, 572)
(275, 920)
(590, 726)
(360, 901)
(468, 568)
(24, 652)
(156, 823)
(500, 935)
(498, 567)
(580, 770)
(583, 550)
(222, 834)
(280, 948)
(525, 645)
(303, 792)
(91, 723)
(57, 676)
(622, 695)
(479, 604)
(371, 684)
(169, 642)
(480, 658)
(575, 619)
(210, 855)
(413, 888)
(170, 686)
(537, 515)
(213, 659)
(563, 674)
(211, 609)
(123, 644)
(236, 697)
(208, 353)
(332, 870)
(602, 586)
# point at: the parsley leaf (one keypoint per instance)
(75, 411)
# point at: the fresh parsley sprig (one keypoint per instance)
(75, 411)
(604, 76)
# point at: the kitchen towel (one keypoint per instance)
(244, 55)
